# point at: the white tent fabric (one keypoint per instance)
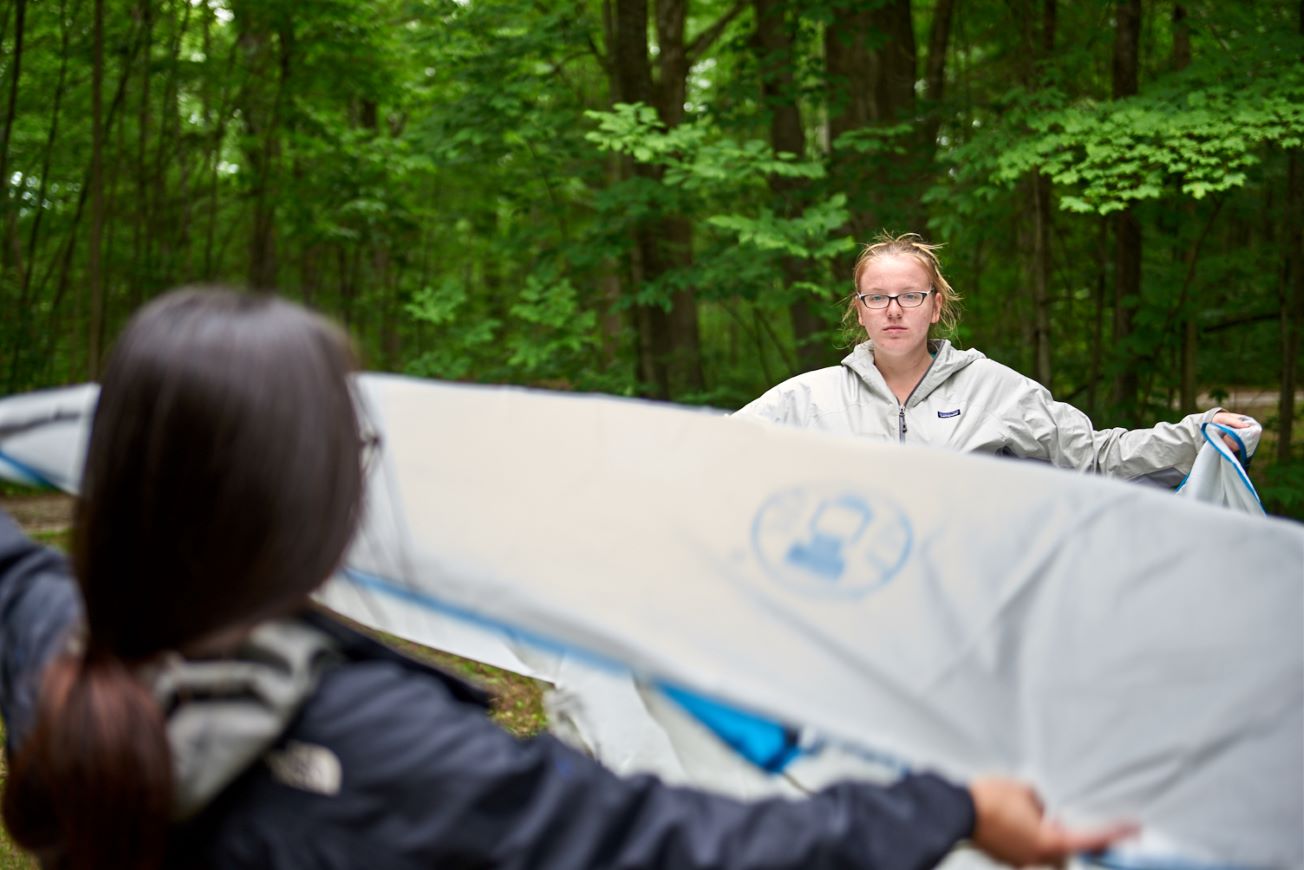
(1134, 654)
(1218, 476)
(43, 436)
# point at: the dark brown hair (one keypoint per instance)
(222, 485)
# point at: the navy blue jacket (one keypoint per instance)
(427, 780)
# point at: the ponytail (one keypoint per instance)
(91, 786)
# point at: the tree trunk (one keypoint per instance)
(1187, 386)
(634, 77)
(775, 26)
(262, 120)
(94, 276)
(64, 261)
(670, 350)
(174, 239)
(1039, 47)
(850, 92)
(1127, 231)
(1041, 336)
(939, 38)
(1098, 324)
(871, 66)
(10, 214)
(894, 61)
(1292, 308)
(676, 231)
(141, 230)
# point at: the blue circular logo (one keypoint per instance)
(831, 539)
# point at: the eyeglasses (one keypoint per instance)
(878, 301)
(369, 450)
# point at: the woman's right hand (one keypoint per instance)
(1011, 826)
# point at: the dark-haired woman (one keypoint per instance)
(898, 385)
(179, 703)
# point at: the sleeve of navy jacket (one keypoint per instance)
(38, 604)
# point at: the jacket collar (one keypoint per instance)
(947, 361)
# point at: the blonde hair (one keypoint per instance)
(910, 245)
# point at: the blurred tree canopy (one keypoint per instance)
(665, 198)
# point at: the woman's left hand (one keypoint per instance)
(1232, 421)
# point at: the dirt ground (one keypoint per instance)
(41, 513)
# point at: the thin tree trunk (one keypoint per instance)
(614, 316)
(1189, 325)
(634, 77)
(1039, 47)
(141, 229)
(776, 57)
(262, 121)
(1098, 326)
(23, 341)
(611, 321)
(676, 231)
(174, 240)
(63, 262)
(1292, 309)
(939, 37)
(10, 225)
(94, 276)
(850, 91)
(1127, 231)
(1041, 335)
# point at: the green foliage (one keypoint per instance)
(1194, 142)
(458, 184)
(1282, 488)
(1202, 131)
(696, 155)
(810, 235)
(458, 339)
(716, 170)
(559, 332)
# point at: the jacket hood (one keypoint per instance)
(224, 714)
(947, 360)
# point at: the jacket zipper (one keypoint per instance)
(901, 416)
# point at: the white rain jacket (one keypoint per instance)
(968, 402)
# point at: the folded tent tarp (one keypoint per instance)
(1134, 654)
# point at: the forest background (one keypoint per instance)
(665, 198)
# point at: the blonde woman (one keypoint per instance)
(898, 384)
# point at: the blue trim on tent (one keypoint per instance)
(30, 475)
(1114, 861)
(393, 589)
(1240, 471)
(1240, 466)
(1242, 454)
(767, 744)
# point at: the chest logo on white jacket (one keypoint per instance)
(828, 539)
(946, 415)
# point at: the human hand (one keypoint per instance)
(1232, 421)
(1010, 826)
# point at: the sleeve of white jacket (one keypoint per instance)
(788, 403)
(1062, 435)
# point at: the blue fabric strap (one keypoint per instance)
(769, 745)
